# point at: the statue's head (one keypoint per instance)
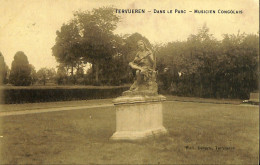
(142, 46)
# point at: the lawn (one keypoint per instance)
(82, 137)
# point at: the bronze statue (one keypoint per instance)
(144, 64)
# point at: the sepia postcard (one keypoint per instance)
(129, 82)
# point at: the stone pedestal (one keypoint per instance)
(138, 117)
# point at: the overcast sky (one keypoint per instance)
(30, 25)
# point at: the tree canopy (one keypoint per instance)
(3, 70)
(20, 74)
(87, 38)
(46, 74)
(205, 67)
(199, 66)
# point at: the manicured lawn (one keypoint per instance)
(82, 137)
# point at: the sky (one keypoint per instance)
(30, 25)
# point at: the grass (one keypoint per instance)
(73, 137)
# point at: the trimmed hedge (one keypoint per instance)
(33, 95)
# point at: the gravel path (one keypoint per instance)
(31, 108)
(42, 110)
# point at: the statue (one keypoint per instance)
(139, 111)
(145, 80)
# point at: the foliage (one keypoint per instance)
(33, 75)
(46, 74)
(32, 94)
(61, 77)
(20, 74)
(87, 38)
(67, 47)
(205, 67)
(3, 70)
(200, 66)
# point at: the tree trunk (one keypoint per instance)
(72, 75)
(44, 80)
(72, 70)
(97, 72)
(201, 86)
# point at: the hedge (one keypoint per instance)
(33, 95)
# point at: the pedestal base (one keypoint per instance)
(138, 135)
(138, 117)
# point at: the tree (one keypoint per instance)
(33, 75)
(238, 67)
(87, 38)
(200, 61)
(42, 75)
(3, 70)
(46, 74)
(20, 74)
(210, 68)
(67, 49)
(97, 40)
(169, 64)
(189, 67)
(61, 76)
